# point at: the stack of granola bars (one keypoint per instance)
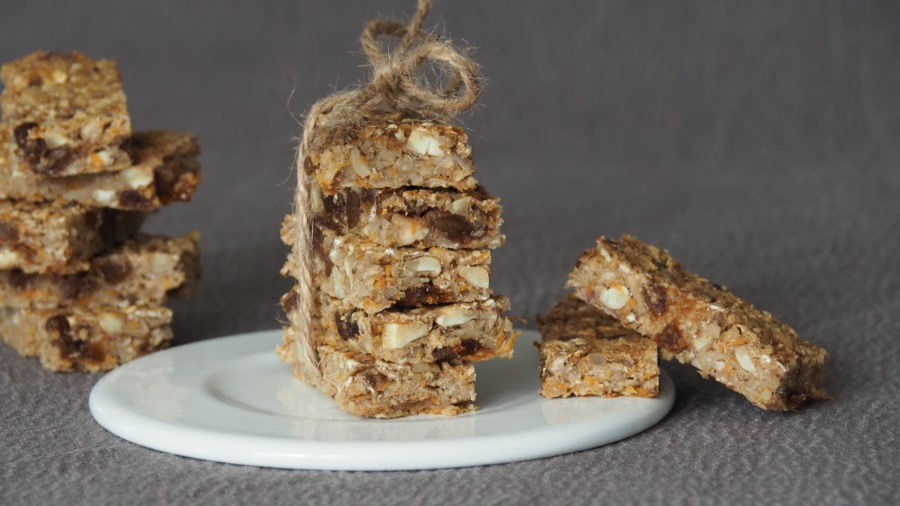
(401, 262)
(80, 287)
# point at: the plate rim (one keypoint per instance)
(189, 440)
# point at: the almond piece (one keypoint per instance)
(452, 316)
(398, 335)
(422, 142)
(478, 276)
(424, 265)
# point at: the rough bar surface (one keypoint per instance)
(89, 340)
(65, 107)
(59, 238)
(473, 331)
(142, 272)
(387, 154)
(165, 170)
(413, 216)
(107, 159)
(700, 323)
(365, 386)
(587, 352)
(374, 277)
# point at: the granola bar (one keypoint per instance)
(393, 154)
(424, 217)
(586, 352)
(142, 272)
(164, 171)
(473, 331)
(59, 238)
(92, 340)
(63, 108)
(61, 162)
(366, 386)
(373, 277)
(700, 323)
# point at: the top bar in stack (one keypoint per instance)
(65, 109)
(700, 323)
(364, 385)
(388, 154)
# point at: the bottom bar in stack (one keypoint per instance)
(366, 386)
(401, 361)
(90, 340)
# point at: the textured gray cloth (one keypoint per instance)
(757, 141)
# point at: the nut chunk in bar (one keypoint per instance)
(164, 171)
(366, 386)
(144, 271)
(700, 323)
(586, 352)
(374, 277)
(59, 238)
(472, 331)
(63, 108)
(92, 340)
(427, 218)
(387, 154)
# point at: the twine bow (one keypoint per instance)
(395, 90)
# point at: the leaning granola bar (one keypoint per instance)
(97, 339)
(65, 107)
(59, 238)
(392, 154)
(700, 323)
(366, 386)
(164, 171)
(142, 272)
(586, 352)
(444, 218)
(472, 331)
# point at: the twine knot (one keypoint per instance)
(398, 86)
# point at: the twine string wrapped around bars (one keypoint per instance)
(395, 90)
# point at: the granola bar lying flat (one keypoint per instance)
(586, 352)
(142, 272)
(472, 331)
(400, 217)
(61, 162)
(365, 386)
(373, 277)
(164, 171)
(700, 323)
(92, 340)
(389, 154)
(65, 107)
(59, 238)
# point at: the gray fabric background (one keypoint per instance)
(757, 141)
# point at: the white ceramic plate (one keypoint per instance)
(231, 400)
